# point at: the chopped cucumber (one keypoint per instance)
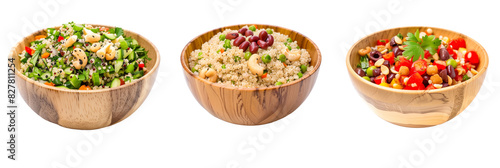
(68, 70)
(119, 54)
(45, 76)
(95, 79)
(110, 36)
(75, 82)
(118, 65)
(123, 44)
(131, 56)
(115, 83)
(77, 27)
(130, 68)
(63, 87)
(134, 44)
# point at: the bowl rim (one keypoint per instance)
(188, 71)
(150, 72)
(352, 73)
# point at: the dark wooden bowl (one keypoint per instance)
(251, 106)
(417, 108)
(91, 109)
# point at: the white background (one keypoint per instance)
(332, 128)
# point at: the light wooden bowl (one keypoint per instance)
(417, 108)
(251, 106)
(86, 109)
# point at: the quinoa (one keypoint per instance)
(232, 68)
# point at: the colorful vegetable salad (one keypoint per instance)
(419, 61)
(84, 57)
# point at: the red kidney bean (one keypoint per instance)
(444, 75)
(262, 44)
(445, 85)
(238, 41)
(242, 31)
(443, 54)
(253, 39)
(360, 72)
(390, 77)
(231, 36)
(372, 79)
(244, 45)
(426, 79)
(397, 51)
(451, 71)
(377, 72)
(263, 35)
(270, 40)
(387, 64)
(254, 48)
(248, 33)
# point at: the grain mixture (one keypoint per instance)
(240, 58)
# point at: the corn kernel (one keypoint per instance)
(446, 40)
(462, 50)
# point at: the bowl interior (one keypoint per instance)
(370, 40)
(303, 41)
(152, 65)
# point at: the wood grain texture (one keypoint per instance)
(86, 109)
(251, 106)
(417, 108)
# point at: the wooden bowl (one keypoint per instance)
(251, 106)
(417, 108)
(86, 109)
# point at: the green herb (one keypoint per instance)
(227, 44)
(278, 83)
(236, 58)
(118, 31)
(199, 54)
(223, 66)
(400, 36)
(300, 74)
(289, 40)
(193, 70)
(416, 46)
(37, 53)
(364, 63)
(248, 54)
(466, 77)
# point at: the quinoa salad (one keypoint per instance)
(84, 57)
(250, 57)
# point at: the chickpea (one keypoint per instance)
(432, 70)
(436, 79)
(404, 70)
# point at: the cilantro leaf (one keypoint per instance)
(416, 46)
(400, 36)
(430, 43)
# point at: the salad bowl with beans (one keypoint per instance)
(417, 76)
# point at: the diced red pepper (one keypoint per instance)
(419, 66)
(459, 77)
(60, 38)
(467, 67)
(371, 63)
(380, 79)
(430, 87)
(141, 65)
(440, 64)
(472, 57)
(122, 82)
(382, 41)
(390, 57)
(452, 52)
(103, 29)
(28, 50)
(402, 62)
(458, 43)
(427, 54)
(415, 82)
(264, 75)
